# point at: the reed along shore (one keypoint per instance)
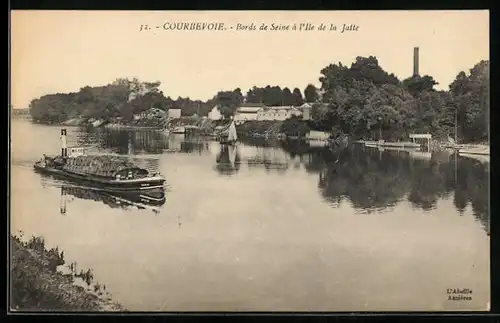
(38, 284)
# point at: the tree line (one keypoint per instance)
(123, 98)
(365, 101)
(361, 100)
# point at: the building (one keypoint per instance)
(174, 113)
(318, 135)
(279, 113)
(306, 109)
(264, 114)
(214, 114)
(248, 111)
(150, 114)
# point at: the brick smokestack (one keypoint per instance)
(415, 61)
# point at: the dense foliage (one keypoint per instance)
(122, 98)
(259, 128)
(294, 127)
(363, 101)
(367, 102)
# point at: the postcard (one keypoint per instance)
(285, 161)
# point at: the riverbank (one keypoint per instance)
(260, 129)
(39, 281)
(116, 126)
(265, 129)
(155, 124)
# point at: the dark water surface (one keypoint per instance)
(264, 227)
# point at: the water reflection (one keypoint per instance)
(194, 145)
(138, 142)
(373, 179)
(135, 200)
(370, 179)
(228, 159)
(290, 238)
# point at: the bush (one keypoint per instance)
(295, 127)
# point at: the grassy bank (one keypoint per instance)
(37, 283)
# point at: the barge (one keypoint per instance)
(104, 172)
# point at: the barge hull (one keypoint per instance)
(142, 185)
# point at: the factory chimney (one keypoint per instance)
(415, 61)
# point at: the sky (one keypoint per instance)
(63, 51)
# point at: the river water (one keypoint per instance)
(266, 226)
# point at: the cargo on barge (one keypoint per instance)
(105, 172)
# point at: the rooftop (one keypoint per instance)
(245, 109)
(283, 108)
(261, 105)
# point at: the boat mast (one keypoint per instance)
(64, 148)
(456, 127)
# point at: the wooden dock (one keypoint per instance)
(399, 144)
(475, 150)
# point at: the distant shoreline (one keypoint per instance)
(127, 127)
(253, 130)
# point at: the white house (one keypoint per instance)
(174, 113)
(214, 114)
(264, 114)
(248, 112)
(318, 135)
(278, 113)
(149, 114)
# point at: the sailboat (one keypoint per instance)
(232, 136)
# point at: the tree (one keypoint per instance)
(121, 97)
(297, 97)
(127, 112)
(294, 127)
(310, 93)
(288, 98)
(272, 96)
(416, 84)
(363, 99)
(255, 95)
(368, 68)
(471, 96)
(228, 101)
